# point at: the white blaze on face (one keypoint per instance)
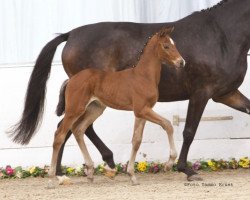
(172, 42)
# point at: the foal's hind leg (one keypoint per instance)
(136, 142)
(93, 111)
(79, 127)
(152, 116)
(59, 138)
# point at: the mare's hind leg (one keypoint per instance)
(136, 142)
(235, 100)
(152, 116)
(93, 111)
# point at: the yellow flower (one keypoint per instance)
(142, 166)
(245, 165)
(101, 168)
(210, 163)
(70, 170)
(244, 162)
(32, 170)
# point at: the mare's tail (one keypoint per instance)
(61, 103)
(34, 102)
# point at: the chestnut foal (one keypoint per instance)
(136, 89)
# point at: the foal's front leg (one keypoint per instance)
(152, 116)
(136, 142)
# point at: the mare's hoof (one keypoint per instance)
(64, 180)
(195, 177)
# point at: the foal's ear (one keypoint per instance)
(166, 31)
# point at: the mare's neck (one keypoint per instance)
(149, 65)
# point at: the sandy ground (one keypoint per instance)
(229, 184)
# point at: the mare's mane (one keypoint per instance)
(222, 2)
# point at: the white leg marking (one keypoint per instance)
(248, 111)
(136, 142)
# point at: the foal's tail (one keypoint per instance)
(61, 103)
(23, 131)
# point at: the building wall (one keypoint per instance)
(26, 26)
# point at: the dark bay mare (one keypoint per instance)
(89, 92)
(213, 42)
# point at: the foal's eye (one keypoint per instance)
(166, 46)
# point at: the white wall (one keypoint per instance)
(26, 26)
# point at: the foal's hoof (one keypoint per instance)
(195, 177)
(64, 180)
(134, 181)
(90, 179)
(89, 171)
(168, 167)
(110, 173)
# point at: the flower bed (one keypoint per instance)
(140, 167)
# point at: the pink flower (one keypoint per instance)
(196, 165)
(124, 167)
(156, 169)
(9, 170)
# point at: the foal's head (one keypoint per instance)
(167, 50)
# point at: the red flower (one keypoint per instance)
(9, 170)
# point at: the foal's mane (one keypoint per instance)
(215, 6)
(144, 46)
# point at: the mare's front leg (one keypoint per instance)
(235, 100)
(196, 106)
(136, 142)
(150, 115)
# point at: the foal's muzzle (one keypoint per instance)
(180, 62)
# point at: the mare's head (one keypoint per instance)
(166, 49)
